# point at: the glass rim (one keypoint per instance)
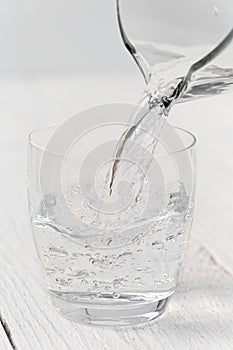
(43, 148)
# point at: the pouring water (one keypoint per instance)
(184, 51)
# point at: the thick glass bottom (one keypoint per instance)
(110, 312)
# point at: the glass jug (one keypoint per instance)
(183, 47)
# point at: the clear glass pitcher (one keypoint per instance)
(180, 43)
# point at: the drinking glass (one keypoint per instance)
(109, 264)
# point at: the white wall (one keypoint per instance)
(60, 34)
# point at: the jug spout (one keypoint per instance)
(184, 51)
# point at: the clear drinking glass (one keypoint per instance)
(117, 266)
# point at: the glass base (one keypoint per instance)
(110, 315)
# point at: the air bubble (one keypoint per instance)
(116, 295)
(63, 282)
(158, 245)
(180, 234)
(171, 238)
(79, 273)
(125, 254)
(118, 282)
(84, 281)
(77, 255)
(57, 252)
(137, 278)
(188, 217)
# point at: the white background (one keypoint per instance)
(60, 34)
(57, 57)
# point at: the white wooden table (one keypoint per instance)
(200, 315)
